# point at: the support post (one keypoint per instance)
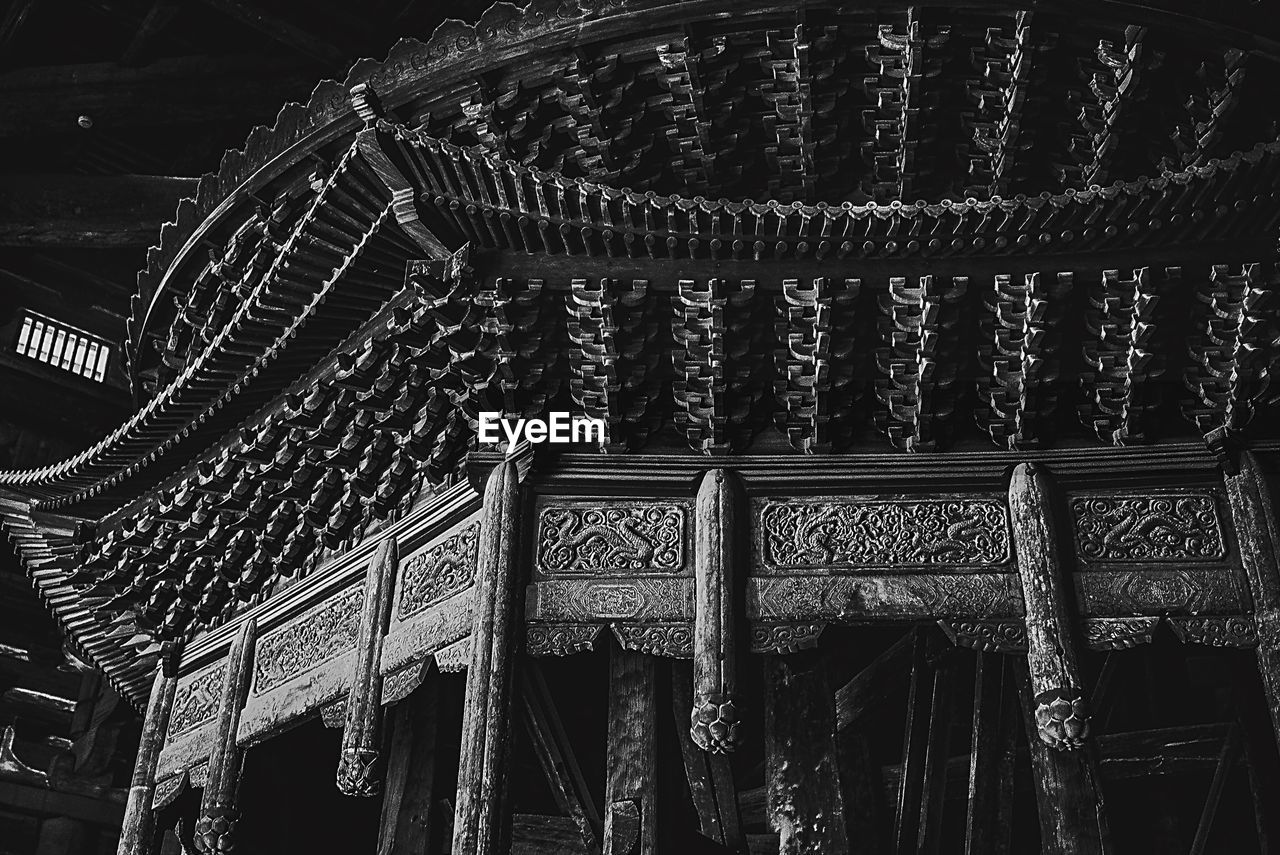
(630, 797)
(805, 805)
(486, 714)
(215, 829)
(1258, 532)
(1061, 710)
(719, 513)
(139, 819)
(359, 766)
(710, 776)
(409, 800)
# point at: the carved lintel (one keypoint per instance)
(1216, 631)
(400, 683)
(560, 639)
(1061, 712)
(334, 713)
(990, 636)
(454, 658)
(719, 513)
(139, 815)
(673, 640)
(215, 829)
(1118, 633)
(168, 790)
(785, 637)
(359, 767)
(486, 710)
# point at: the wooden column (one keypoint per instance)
(1061, 710)
(408, 802)
(710, 776)
(1072, 819)
(993, 749)
(359, 767)
(215, 829)
(717, 560)
(136, 831)
(486, 714)
(802, 775)
(1258, 532)
(631, 819)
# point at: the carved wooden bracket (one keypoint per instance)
(359, 767)
(215, 829)
(1061, 713)
(720, 509)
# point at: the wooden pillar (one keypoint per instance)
(486, 714)
(1061, 710)
(1258, 532)
(717, 559)
(631, 821)
(139, 819)
(215, 829)
(993, 749)
(409, 799)
(1068, 793)
(710, 776)
(359, 766)
(802, 774)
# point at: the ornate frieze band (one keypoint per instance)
(881, 533)
(608, 538)
(196, 700)
(314, 637)
(438, 572)
(1157, 527)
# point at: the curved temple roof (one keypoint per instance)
(559, 181)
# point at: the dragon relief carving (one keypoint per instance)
(1164, 527)
(869, 533)
(315, 637)
(196, 700)
(439, 572)
(618, 539)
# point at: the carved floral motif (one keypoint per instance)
(1163, 527)
(315, 637)
(992, 636)
(673, 640)
(439, 572)
(196, 700)
(870, 533)
(785, 637)
(560, 639)
(1118, 633)
(612, 538)
(1222, 631)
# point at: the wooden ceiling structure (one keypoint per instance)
(889, 292)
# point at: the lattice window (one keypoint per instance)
(63, 346)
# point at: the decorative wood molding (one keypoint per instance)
(989, 636)
(560, 639)
(309, 640)
(197, 700)
(597, 538)
(1216, 631)
(778, 638)
(672, 640)
(1118, 633)
(439, 572)
(1152, 527)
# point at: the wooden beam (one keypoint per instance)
(360, 766)
(98, 211)
(1226, 760)
(486, 713)
(874, 683)
(182, 91)
(991, 758)
(714, 719)
(286, 32)
(630, 798)
(46, 802)
(408, 800)
(802, 773)
(138, 827)
(558, 759)
(710, 776)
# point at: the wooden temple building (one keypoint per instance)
(936, 347)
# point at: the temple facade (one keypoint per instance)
(934, 349)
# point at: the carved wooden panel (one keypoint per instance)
(1105, 593)
(954, 532)
(1225, 631)
(645, 599)
(855, 599)
(674, 640)
(602, 538)
(308, 640)
(1159, 527)
(436, 573)
(196, 700)
(560, 639)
